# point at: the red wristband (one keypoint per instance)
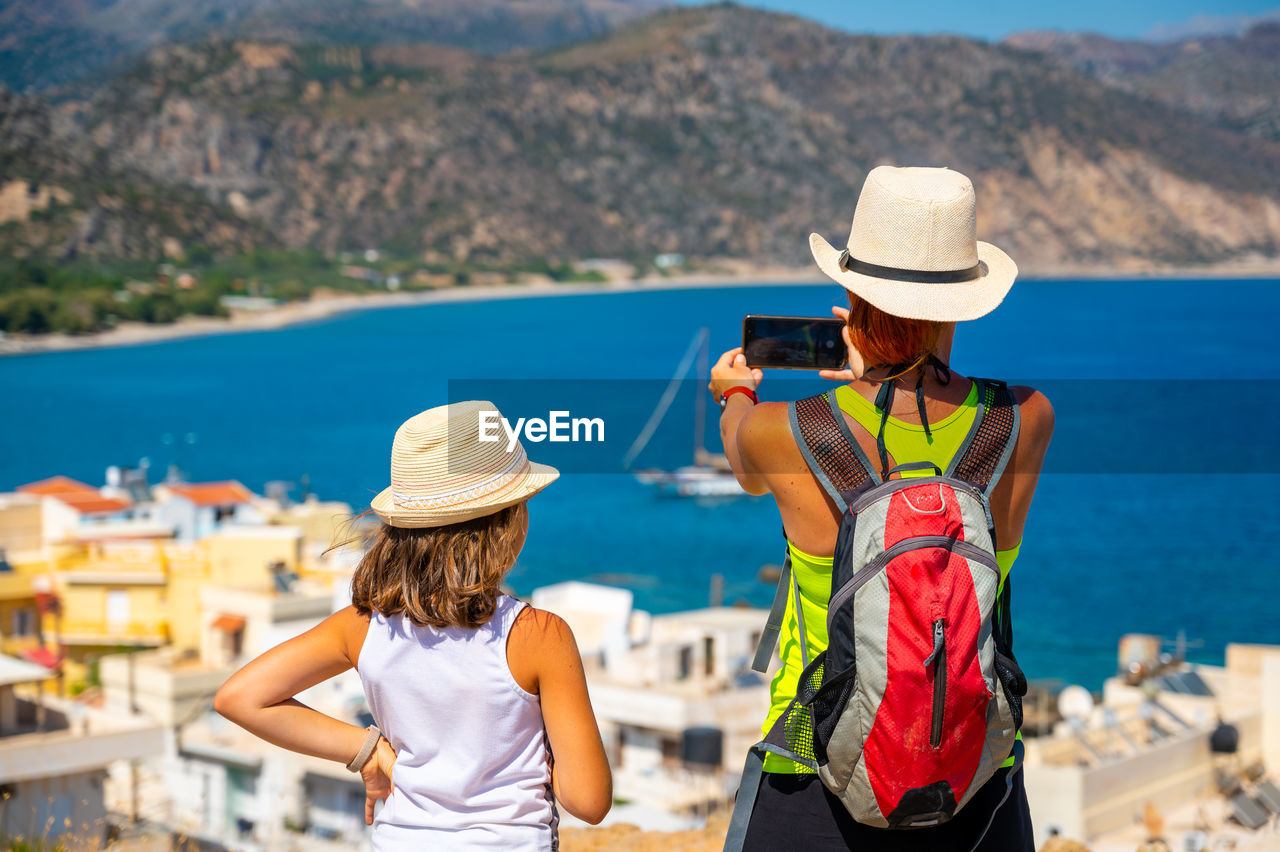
(746, 391)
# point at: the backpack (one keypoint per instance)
(917, 699)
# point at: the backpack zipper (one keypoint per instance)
(939, 661)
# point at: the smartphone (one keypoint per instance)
(793, 343)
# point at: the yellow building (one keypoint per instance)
(83, 573)
(19, 618)
(21, 544)
(117, 595)
(20, 524)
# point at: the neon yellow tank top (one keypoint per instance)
(905, 442)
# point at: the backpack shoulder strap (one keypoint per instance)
(841, 467)
(773, 625)
(829, 447)
(982, 457)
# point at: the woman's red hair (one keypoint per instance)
(884, 340)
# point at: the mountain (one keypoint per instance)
(1232, 81)
(46, 43)
(59, 197)
(712, 131)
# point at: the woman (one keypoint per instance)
(912, 268)
(469, 687)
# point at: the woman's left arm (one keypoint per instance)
(259, 697)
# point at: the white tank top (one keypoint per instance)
(471, 757)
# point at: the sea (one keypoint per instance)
(1158, 511)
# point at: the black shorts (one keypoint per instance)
(797, 812)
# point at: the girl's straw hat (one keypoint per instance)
(442, 473)
(913, 250)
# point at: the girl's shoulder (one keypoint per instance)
(347, 628)
(538, 641)
(540, 627)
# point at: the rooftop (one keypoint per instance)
(14, 670)
(719, 617)
(282, 531)
(80, 496)
(228, 493)
(126, 529)
(48, 737)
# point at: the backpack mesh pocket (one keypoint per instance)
(825, 701)
(1014, 683)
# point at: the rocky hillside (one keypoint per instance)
(713, 131)
(1232, 81)
(61, 197)
(47, 43)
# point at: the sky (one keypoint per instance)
(994, 19)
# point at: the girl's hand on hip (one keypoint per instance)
(731, 371)
(856, 368)
(376, 775)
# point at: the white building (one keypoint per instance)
(69, 507)
(54, 757)
(215, 781)
(194, 510)
(675, 696)
(1150, 744)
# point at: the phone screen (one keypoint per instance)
(794, 343)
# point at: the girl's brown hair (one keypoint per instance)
(884, 340)
(445, 576)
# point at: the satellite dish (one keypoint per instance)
(1075, 702)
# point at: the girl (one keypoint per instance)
(471, 690)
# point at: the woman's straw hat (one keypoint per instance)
(442, 473)
(913, 250)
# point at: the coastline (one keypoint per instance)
(314, 310)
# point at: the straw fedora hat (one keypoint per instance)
(913, 249)
(442, 473)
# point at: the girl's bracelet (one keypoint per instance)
(366, 749)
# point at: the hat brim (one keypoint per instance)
(538, 477)
(950, 302)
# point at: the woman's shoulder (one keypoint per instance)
(1035, 430)
(1035, 412)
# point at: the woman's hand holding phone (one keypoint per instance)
(855, 367)
(731, 371)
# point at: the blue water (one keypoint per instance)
(1131, 529)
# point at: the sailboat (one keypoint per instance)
(710, 474)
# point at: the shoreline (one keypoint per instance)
(315, 310)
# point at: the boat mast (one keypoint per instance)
(700, 343)
(700, 406)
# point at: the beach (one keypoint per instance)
(324, 307)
